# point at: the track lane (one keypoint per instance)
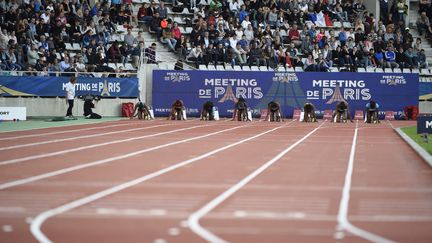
(100, 174)
(212, 169)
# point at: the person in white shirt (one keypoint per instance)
(70, 96)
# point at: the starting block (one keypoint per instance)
(358, 115)
(263, 114)
(297, 114)
(184, 114)
(302, 114)
(389, 116)
(215, 113)
(328, 114)
(249, 115)
(151, 112)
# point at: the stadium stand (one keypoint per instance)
(44, 37)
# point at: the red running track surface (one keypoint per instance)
(130, 181)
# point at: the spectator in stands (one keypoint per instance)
(196, 55)
(411, 58)
(129, 39)
(114, 53)
(150, 53)
(400, 57)
(167, 38)
(32, 55)
(423, 24)
(184, 46)
(145, 14)
(421, 59)
(155, 25)
(390, 58)
(162, 10)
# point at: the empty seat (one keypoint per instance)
(246, 68)
(424, 71)
(237, 68)
(298, 69)
(220, 67)
(229, 68)
(361, 70)
(254, 68)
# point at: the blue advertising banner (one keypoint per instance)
(424, 124)
(55, 86)
(292, 90)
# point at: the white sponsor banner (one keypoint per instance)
(10, 113)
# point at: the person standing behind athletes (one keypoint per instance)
(70, 96)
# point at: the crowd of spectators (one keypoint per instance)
(312, 34)
(35, 34)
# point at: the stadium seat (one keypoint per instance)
(406, 70)
(298, 69)
(254, 68)
(379, 70)
(263, 68)
(220, 67)
(188, 30)
(202, 67)
(211, 67)
(112, 65)
(229, 68)
(388, 70)
(424, 71)
(76, 47)
(361, 70)
(333, 69)
(246, 68)
(186, 11)
(237, 68)
(290, 69)
(415, 70)
(337, 24)
(128, 66)
(347, 25)
(69, 46)
(370, 69)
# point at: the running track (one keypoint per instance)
(194, 181)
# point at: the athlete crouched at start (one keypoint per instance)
(309, 113)
(372, 112)
(274, 111)
(207, 111)
(240, 110)
(142, 111)
(177, 109)
(342, 112)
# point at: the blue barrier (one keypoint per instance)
(392, 91)
(55, 86)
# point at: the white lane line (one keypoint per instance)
(18, 160)
(343, 223)
(7, 228)
(60, 132)
(79, 137)
(194, 218)
(42, 217)
(103, 161)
